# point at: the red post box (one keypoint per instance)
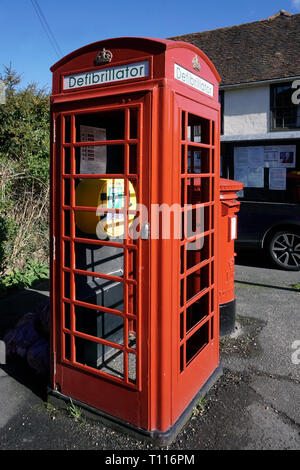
(135, 157)
(228, 233)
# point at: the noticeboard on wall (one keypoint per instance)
(250, 164)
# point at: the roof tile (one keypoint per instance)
(264, 50)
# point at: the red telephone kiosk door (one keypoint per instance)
(101, 162)
(197, 342)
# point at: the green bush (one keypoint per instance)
(16, 279)
(24, 182)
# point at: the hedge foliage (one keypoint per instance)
(24, 177)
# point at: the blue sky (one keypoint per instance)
(75, 23)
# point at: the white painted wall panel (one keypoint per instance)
(246, 111)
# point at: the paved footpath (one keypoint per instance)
(254, 405)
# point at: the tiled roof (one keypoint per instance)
(264, 50)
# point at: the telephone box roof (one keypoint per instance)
(150, 45)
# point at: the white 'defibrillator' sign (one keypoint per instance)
(189, 78)
(108, 75)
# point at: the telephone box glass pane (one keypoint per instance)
(67, 318)
(133, 159)
(194, 221)
(198, 160)
(198, 190)
(197, 251)
(197, 312)
(198, 129)
(67, 192)
(67, 129)
(100, 324)
(66, 254)
(132, 367)
(100, 160)
(99, 356)
(197, 281)
(66, 284)
(66, 223)
(67, 160)
(133, 123)
(107, 125)
(101, 259)
(98, 291)
(131, 299)
(67, 351)
(197, 342)
(183, 125)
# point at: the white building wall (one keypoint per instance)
(246, 110)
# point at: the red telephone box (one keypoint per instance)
(135, 314)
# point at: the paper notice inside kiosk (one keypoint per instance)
(92, 159)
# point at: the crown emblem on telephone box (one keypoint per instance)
(104, 57)
(196, 63)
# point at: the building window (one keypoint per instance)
(221, 101)
(284, 114)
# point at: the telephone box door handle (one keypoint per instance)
(145, 231)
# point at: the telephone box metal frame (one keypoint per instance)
(175, 308)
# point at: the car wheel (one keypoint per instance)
(284, 249)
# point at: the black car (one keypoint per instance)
(273, 227)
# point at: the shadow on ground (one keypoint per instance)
(254, 258)
(12, 309)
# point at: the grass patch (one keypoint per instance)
(73, 411)
(200, 407)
